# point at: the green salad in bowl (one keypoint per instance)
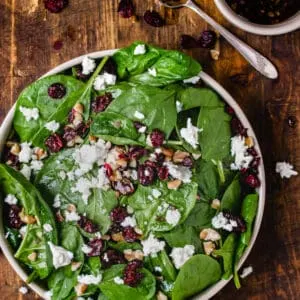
(126, 177)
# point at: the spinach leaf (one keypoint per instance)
(215, 138)
(35, 240)
(122, 246)
(227, 252)
(231, 199)
(157, 105)
(150, 213)
(199, 272)
(13, 237)
(113, 291)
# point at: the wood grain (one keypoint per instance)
(27, 34)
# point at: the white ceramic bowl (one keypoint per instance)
(208, 293)
(291, 24)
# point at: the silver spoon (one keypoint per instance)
(259, 62)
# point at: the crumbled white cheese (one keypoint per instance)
(129, 221)
(88, 65)
(101, 81)
(139, 115)
(47, 227)
(192, 80)
(109, 79)
(173, 216)
(71, 216)
(151, 246)
(29, 113)
(139, 50)
(26, 171)
(60, 256)
(36, 165)
(86, 249)
(62, 175)
(157, 269)
(134, 175)
(71, 176)
(89, 279)
(190, 133)
(23, 230)
(242, 158)
(246, 272)
(156, 193)
(25, 153)
(152, 71)
(11, 199)
(168, 286)
(179, 172)
(57, 201)
(105, 257)
(52, 126)
(118, 280)
(129, 209)
(142, 129)
(23, 290)
(181, 255)
(285, 169)
(179, 106)
(220, 221)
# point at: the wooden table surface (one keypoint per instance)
(27, 35)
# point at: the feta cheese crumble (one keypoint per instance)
(25, 153)
(129, 221)
(61, 257)
(157, 269)
(156, 193)
(190, 133)
(86, 249)
(179, 172)
(57, 201)
(101, 81)
(151, 246)
(71, 216)
(88, 65)
(173, 216)
(36, 165)
(47, 227)
(29, 113)
(285, 169)
(11, 199)
(142, 129)
(152, 72)
(23, 290)
(192, 80)
(239, 150)
(52, 126)
(118, 280)
(181, 255)
(139, 115)
(179, 106)
(26, 171)
(139, 50)
(246, 272)
(221, 222)
(89, 279)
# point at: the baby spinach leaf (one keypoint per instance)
(113, 291)
(215, 138)
(199, 272)
(121, 246)
(35, 240)
(13, 237)
(150, 213)
(157, 105)
(227, 252)
(231, 199)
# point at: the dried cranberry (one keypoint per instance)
(252, 181)
(150, 163)
(101, 102)
(78, 73)
(208, 39)
(112, 257)
(118, 214)
(14, 220)
(129, 234)
(237, 127)
(108, 169)
(163, 173)
(229, 110)
(134, 265)
(126, 9)
(153, 18)
(255, 163)
(188, 42)
(54, 143)
(137, 152)
(124, 186)
(160, 158)
(146, 174)
(252, 151)
(55, 6)
(81, 128)
(132, 276)
(87, 225)
(157, 137)
(11, 159)
(115, 228)
(56, 91)
(96, 245)
(69, 134)
(188, 162)
(241, 225)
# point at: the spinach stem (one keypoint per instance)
(174, 143)
(221, 171)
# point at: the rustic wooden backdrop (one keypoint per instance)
(28, 33)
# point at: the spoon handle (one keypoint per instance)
(259, 62)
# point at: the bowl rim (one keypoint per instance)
(212, 290)
(291, 24)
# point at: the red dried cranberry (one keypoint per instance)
(132, 276)
(55, 6)
(118, 214)
(229, 110)
(150, 163)
(54, 143)
(134, 265)
(157, 137)
(252, 151)
(101, 102)
(146, 174)
(115, 228)
(137, 152)
(96, 245)
(241, 225)
(160, 158)
(124, 186)
(129, 234)
(188, 162)
(82, 128)
(108, 169)
(237, 127)
(153, 18)
(87, 225)
(126, 9)
(69, 134)
(78, 73)
(163, 173)
(208, 39)
(252, 181)
(11, 159)
(255, 163)
(188, 42)
(112, 257)
(14, 220)
(56, 91)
